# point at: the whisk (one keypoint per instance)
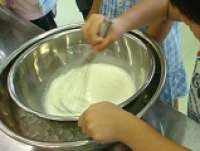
(75, 99)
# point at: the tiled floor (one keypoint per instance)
(68, 13)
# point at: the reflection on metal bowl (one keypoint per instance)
(32, 72)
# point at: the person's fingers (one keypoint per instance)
(103, 44)
(85, 29)
(95, 29)
(81, 119)
(90, 28)
(83, 126)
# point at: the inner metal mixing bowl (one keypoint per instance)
(33, 70)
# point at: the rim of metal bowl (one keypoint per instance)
(147, 81)
(43, 37)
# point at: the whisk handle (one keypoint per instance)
(105, 27)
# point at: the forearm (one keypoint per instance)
(140, 136)
(159, 31)
(95, 8)
(144, 13)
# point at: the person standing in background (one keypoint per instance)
(39, 12)
(167, 35)
(84, 7)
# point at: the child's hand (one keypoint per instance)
(104, 122)
(90, 32)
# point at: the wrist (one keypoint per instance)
(119, 27)
(127, 127)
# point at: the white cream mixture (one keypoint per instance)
(71, 93)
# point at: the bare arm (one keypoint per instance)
(142, 14)
(159, 31)
(95, 8)
(146, 12)
(106, 123)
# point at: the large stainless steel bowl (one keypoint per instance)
(33, 70)
(29, 132)
(35, 133)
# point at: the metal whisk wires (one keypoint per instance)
(76, 91)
